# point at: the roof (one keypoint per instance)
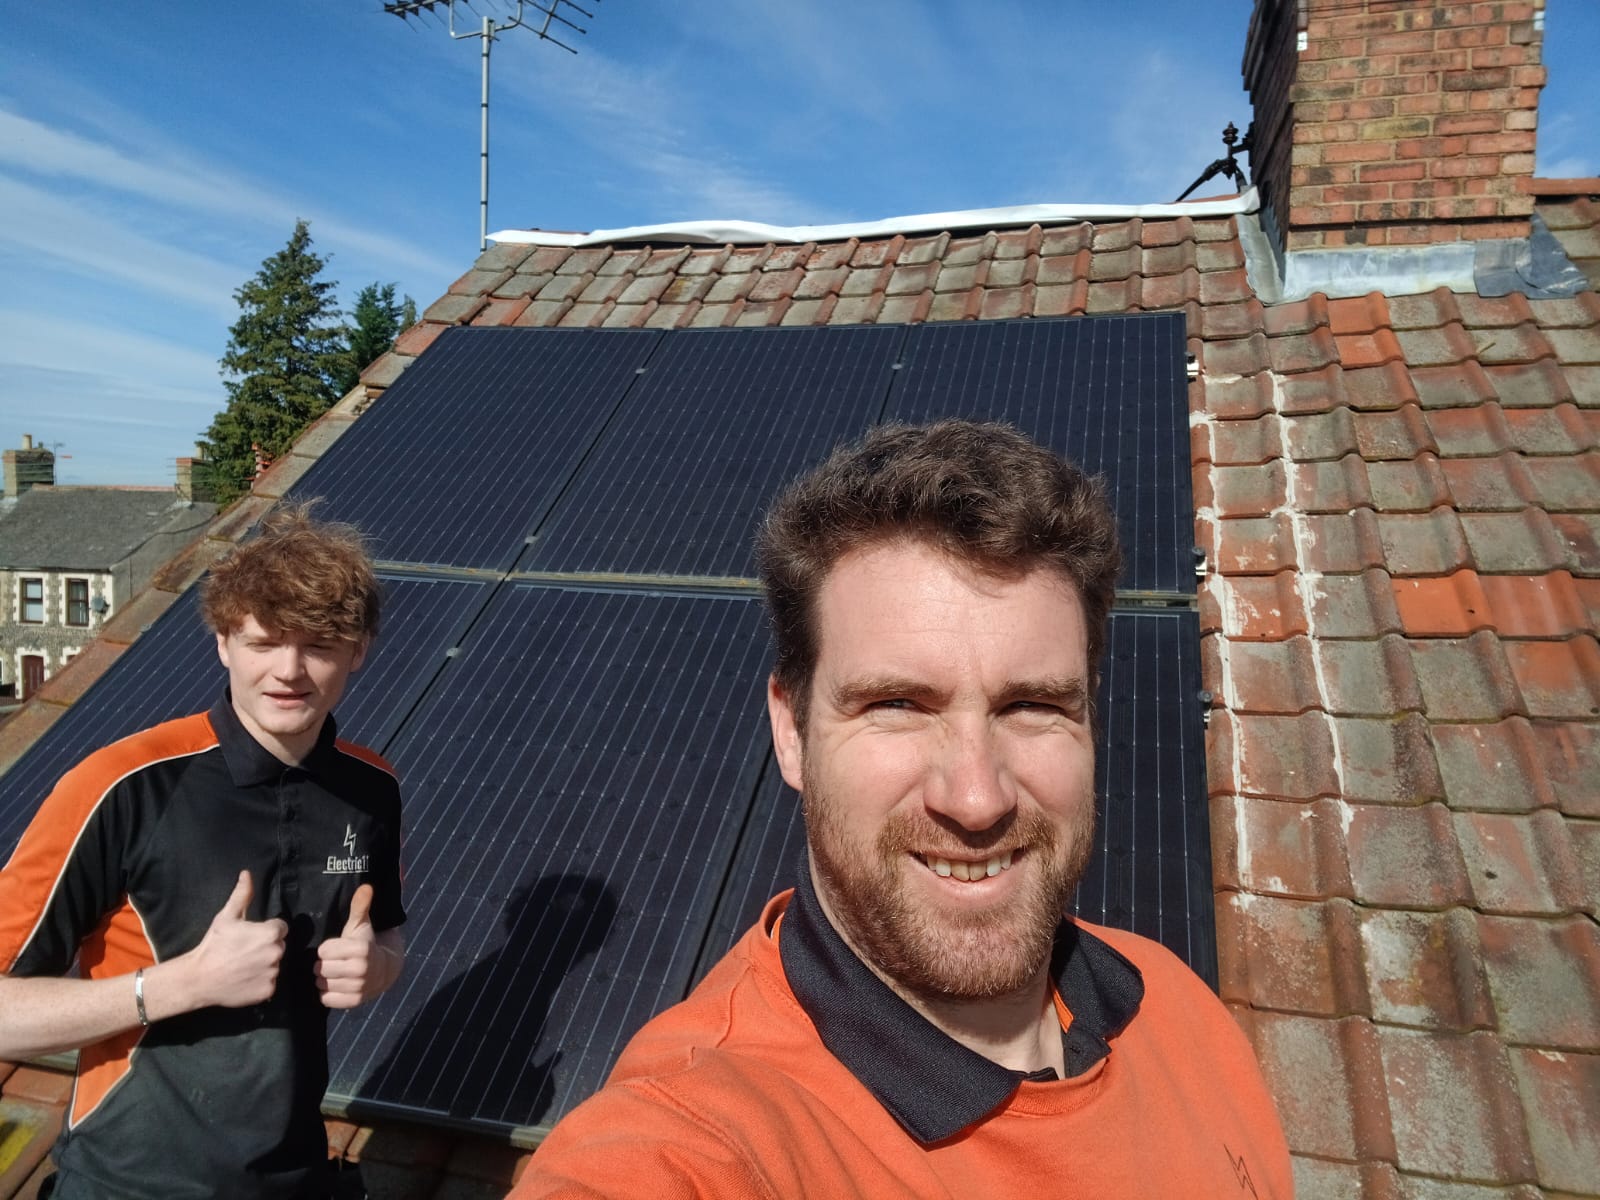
(89, 528)
(1571, 209)
(1399, 501)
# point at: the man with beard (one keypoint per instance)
(918, 1018)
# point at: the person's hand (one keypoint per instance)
(350, 968)
(236, 963)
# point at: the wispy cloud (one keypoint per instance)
(642, 123)
(105, 247)
(157, 175)
(157, 366)
(1158, 148)
(1566, 147)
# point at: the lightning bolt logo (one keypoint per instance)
(350, 839)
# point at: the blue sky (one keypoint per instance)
(152, 156)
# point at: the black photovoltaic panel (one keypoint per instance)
(576, 783)
(172, 670)
(592, 812)
(1109, 392)
(457, 461)
(1151, 872)
(719, 420)
(771, 850)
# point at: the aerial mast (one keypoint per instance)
(526, 16)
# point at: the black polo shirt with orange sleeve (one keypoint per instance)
(125, 865)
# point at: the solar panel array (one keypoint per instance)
(571, 674)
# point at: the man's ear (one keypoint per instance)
(222, 649)
(786, 741)
(362, 645)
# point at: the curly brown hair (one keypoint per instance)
(986, 494)
(298, 575)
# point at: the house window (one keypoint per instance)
(33, 601)
(77, 602)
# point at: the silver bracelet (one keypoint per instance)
(138, 996)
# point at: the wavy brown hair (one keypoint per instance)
(984, 493)
(298, 575)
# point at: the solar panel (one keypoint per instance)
(1108, 392)
(719, 421)
(592, 814)
(1151, 872)
(458, 461)
(172, 670)
(575, 784)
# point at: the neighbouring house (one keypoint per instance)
(71, 557)
(1395, 460)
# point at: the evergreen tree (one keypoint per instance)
(281, 364)
(378, 321)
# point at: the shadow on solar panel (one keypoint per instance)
(485, 1027)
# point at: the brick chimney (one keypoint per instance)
(28, 467)
(189, 487)
(1394, 122)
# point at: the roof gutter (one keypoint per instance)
(754, 233)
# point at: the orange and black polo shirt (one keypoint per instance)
(125, 865)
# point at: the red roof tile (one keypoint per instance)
(1405, 857)
(1545, 979)
(1351, 606)
(1292, 955)
(1454, 1106)
(1426, 969)
(1523, 864)
(1327, 1075)
(1262, 607)
(1387, 760)
(1560, 1093)
(1279, 847)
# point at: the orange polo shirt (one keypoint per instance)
(793, 1073)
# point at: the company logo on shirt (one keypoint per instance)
(1241, 1171)
(352, 863)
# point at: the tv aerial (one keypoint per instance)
(533, 15)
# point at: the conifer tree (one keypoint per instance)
(283, 358)
(379, 319)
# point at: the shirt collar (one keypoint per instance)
(929, 1082)
(249, 762)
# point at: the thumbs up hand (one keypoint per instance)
(359, 964)
(236, 962)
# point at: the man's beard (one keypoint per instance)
(936, 953)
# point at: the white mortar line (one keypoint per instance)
(1222, 591)
(1299, 522)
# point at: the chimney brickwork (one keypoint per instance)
(1400, 122)
(28, 467)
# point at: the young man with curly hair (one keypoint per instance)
(223, 880)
